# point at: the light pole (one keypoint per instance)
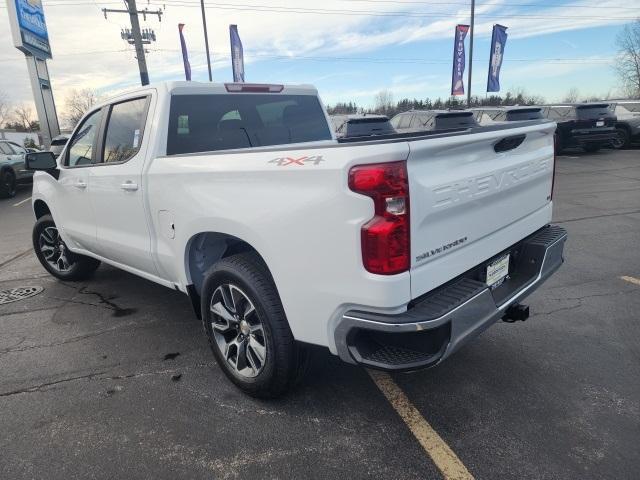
(206, 39)
(473, 12)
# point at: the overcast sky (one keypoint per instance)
(349, 49)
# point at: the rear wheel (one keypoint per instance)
(54, 255)
(7, 184)
(622, 139)
(247, 327)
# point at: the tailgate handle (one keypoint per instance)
(508, 143)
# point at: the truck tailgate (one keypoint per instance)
(469, 202)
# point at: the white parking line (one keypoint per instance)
(635, 281)
(21, 202)
(444, 458)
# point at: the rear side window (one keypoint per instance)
(5, 148)
(124, 130)
(405, 121)
(203, 123)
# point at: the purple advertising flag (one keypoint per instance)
(457, 84)
(498, 41)
(237, 55)
(185, 55)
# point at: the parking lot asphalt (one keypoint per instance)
(113, 377)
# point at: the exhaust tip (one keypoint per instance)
(516, 312)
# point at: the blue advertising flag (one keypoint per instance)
(185, 55)
(237, 57)
(457, 83)
(498, 41)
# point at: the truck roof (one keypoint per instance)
(196, 88)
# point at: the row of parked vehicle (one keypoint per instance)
(590, 126)
(12, 165)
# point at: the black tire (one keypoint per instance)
(591, 148)
(7, 184)
(285, 360)
(80, 266)
(623, 138)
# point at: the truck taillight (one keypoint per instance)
(386, 237)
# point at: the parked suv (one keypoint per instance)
(587, 125)
(12, 170)
(488, 115)
(361, 125)
(423, 120)
(628, 122)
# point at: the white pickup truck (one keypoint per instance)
(392, 251)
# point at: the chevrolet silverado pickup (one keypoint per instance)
(392, 251)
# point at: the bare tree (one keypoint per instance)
(384, 102)
(572, 95)
(77, 103)
(23, 117)
(628, 60)
(4, 108)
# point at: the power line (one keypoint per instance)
(349, 12)
(538, 5)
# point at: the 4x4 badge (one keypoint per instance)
(302, 161)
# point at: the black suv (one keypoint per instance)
(587, 125)
(423, 120)
(360, 125)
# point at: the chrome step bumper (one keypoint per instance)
(445, 319)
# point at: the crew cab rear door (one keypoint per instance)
(117, 188)
(474, 195)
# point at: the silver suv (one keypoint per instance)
(12, 169)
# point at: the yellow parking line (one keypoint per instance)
(21, 202)
(633, 280)
(445, 459)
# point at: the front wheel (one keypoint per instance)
(247, 327)
(7, 184)
(55, 256)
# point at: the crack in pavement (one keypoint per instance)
(99, 376)
(596, 216)
(39, 387)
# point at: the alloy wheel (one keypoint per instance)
(238, 331)
(54, 250)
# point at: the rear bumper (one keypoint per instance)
(439, 323)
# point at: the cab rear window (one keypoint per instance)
(211, 122)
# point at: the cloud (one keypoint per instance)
(88, 51)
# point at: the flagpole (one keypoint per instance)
(473, 12)
(206, 39)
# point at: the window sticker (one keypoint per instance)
(136, 137)
(183, 125)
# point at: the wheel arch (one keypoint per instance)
(40, 209)
(205, 249)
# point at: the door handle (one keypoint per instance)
(129, 186)
(80, 184)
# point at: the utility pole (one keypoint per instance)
(135, 33)
(473, 14)
(206, 39)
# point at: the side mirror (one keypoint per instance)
(43, 161)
